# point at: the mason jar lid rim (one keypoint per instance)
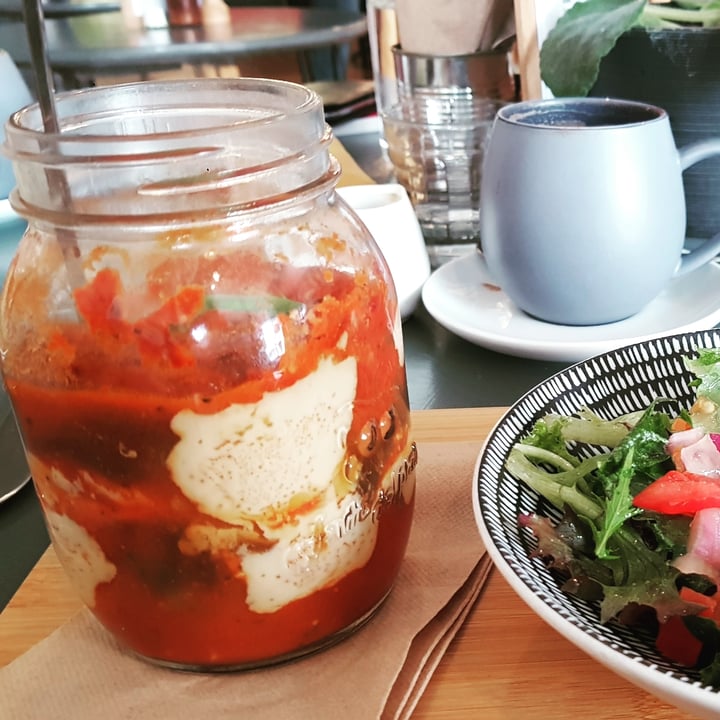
(27, 121)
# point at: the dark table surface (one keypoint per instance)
(443, 371)
(74, 8)
(101, 42)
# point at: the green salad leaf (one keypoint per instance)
(598, 490)
(618, 508)
(706, 367)
(705, 413)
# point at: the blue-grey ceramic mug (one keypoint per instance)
(582, 207)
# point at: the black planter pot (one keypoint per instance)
(679, 70)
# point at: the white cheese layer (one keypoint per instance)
(324, 546)
(321, 548)
(251, 458)
(81, 557)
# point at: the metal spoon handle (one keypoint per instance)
(37, 39)
(45, 86)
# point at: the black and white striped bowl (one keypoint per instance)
(611, 384)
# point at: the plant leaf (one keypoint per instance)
(571, 53)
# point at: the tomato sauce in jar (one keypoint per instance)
(213, 400)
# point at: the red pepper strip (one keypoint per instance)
(679, 424)
(96, 303)
(179, 309)
(693, 596)
(680, 493)
(674, 640)
(157, 333)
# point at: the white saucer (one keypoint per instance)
(388, 214)
(12, 227)
(7, 214)
(462, 297)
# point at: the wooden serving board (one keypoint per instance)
(505, 662)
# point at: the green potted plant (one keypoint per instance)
(664, 53)
(571, 54)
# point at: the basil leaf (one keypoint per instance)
(270, 304)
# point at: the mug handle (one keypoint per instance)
(699, 251)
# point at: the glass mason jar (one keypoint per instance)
(203, 349)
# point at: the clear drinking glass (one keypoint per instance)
(436, 134)
(203, 349)
(382, 36)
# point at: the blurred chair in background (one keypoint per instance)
(331, 63)
(14, 95)
(321, 64)
(74, 37)
(14, 40)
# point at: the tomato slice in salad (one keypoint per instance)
(680, 493)
(675, 640)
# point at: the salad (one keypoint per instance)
(635, 517)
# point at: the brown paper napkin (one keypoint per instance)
(81, 673)
(454, 27)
